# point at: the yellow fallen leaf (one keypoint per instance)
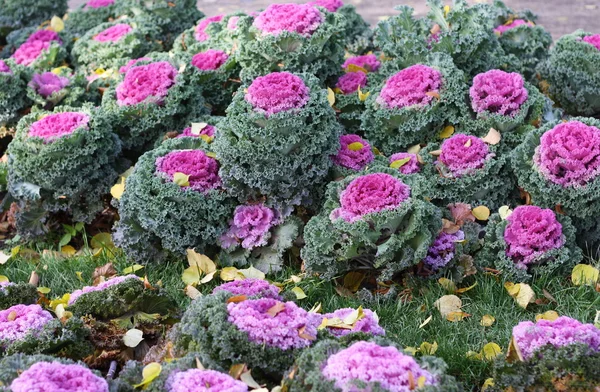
(550, 315)
(448, 304)
(57, 24)
(354, 316)
(316, 308)
(330, 96)
(457, 316)
(414, 149)
(197, 128)
(44, 290)
(192, 292)
(276, 309)
(487, 320)
(447, 132)
(398, 163)
(298, 292)
(181, 179)
(252, 273)
(150, 372)
(465, 289)
(448, 285)
(427, 320)
(504, 212)
(133, 337)
(208, 277)
(584, 274)
(67, 250)
(4, 258)
(435, 153)
(117, 190)
(427, 348)
(493, 137)
(211, 155)
(468, 143)
(246, 378)
(514, 353)
(363, 96)
(490, 351)
(133, 269)
(356, 68)
(204, 263)
(489, 382)
(356, 146)
(231, 273)
(191, 276)
(481, 213)
(446, 10)
(61, 313)
(521, 292)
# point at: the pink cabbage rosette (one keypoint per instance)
(415, 85)
(463, 154)
(371, 363)
(99, 3)
(4, 68)
(114, 33)
(592, 40)
(250, 226)
(351, 82)
(200, 32)
(329, 5)
(34, 46)
(19, 321)
(58, 377)
(355, 153)
(201, 169)
(530, 337)
(58, 125)
(277, 92)
(369, 194)
(48, 83)
(209, 60)
(204, 380)
(250, 287)
(303, 19)
(148, 83)
(370, 62)
(509, 26)
(498, 92)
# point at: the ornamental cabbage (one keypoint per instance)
(17, 293)
(355, 153)
(16, 14)
(13, 97)
(42, 50)
(55, 376)
(250, 287)
(89, 15)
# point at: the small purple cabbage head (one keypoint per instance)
(303, 19)
(132, 63)
(329, 5)
(368, 194)
(201, 35)
(370, 62)
(410, 167)
(531, 231)
(350, 82)
(498, 92)
(48, 83)
(4, 68)
(203, 171)
(412, 86)
(462, 154)
(58, 377)
(58, 125)
(515, 23)
(569, 154)
(250, 226)
(593, 40)
(146, 83)
(355, 153)
(369, 324)
(209, 60)
(441, 252)
(277, 92)
(203, 380)
(18, 321)
(529, 337)
(282, 330)
(102, 286)
(99, 3)
(113, 33)
(250, 287)
(370, 362)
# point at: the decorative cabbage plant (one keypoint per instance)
(377, 366)
(89, 15)
(558, 165)
(17, 293)
(299, 38)
(374, 220)
(13, 95)
(62, 86)
(42, 50)
(531, 240)
(265, 334)
(16, 14)
(173, 200)
(570, 76)
(354, 155)
(251, 288)
(414, 105)
(467, 169)
(109, 44)
(276, 140)
(62, 161)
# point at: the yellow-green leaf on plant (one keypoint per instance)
(549, 315)
(181, 179)
(299, 292)
(487, 320)
(398, 163)
(490, 351)
(150, 372)
(356, 146)
(363, 96)
(584, 274)
(133, 269)
(133, 337)
(330, 96)
(481, 213)
(252, 273)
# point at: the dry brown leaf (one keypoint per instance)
(236, 299)
(302, 333)
(448, 304)
(102, 273)
(352, 280)
(493, 137)
(275, 309)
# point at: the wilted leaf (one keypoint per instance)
(457, 316)
(414, 149)
(133, 337)
(34, 278)
(208, 277)
(275, 309)
(447, 132)
(302, 333)
(465, 289)
(468, 143)
(504, 212)
(521, 292)
(434, 94)
(231, 273)
(584, 274)
(435, 153)
(191, 276)
(236, 370)
(489, 382)
(150, 372)
(490, 351)
(448, 285)
(316, 308)
(514, 353)
(355, 68)
(448, 304)
(102, 273)
(299, 293)
(133, 269)
(247, 379)
(427, 348)
(67, 250)
(181, 179)
(102, 240)
(204, 263)
(487, 320)
(253, 273)
(57, 24)
(398, 163)
(61, 313)
(197, 128)
(330, 97)
(427, 320)
(236, 299)
(4, 258)
(550, 315)
(353, 280)
(481, 213)
(354, 316)
(461, 213)
(493, 137)
(192, 292)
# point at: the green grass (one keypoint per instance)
(401, 319)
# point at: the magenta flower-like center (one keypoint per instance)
(371, 363)
(204, 380)
(367, 61)
(350, 83)
(209, 60)
(44, 36)
(303, 19)
(463, 154)
(28, 52)
(202, 170)
(48, 83)
(250, 226)
(148, 83)
(4, 68)
(531, 231)
(201, 35)
(18, 321)
(593, 40)
(250, 287)
(564, 331)
(569, 154)
(369, 194)
(329, 5)
(355, 153)
(99, 3)
(515, 23)
(290, 327)
(58, 125)
(442, 251)
(58, 377)
(277, 92)
(113, 33)
(102, 286)
(369, 323)
(498, 92)
(415, 85)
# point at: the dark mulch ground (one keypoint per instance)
(558, 16)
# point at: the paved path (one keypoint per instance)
(558, 16)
